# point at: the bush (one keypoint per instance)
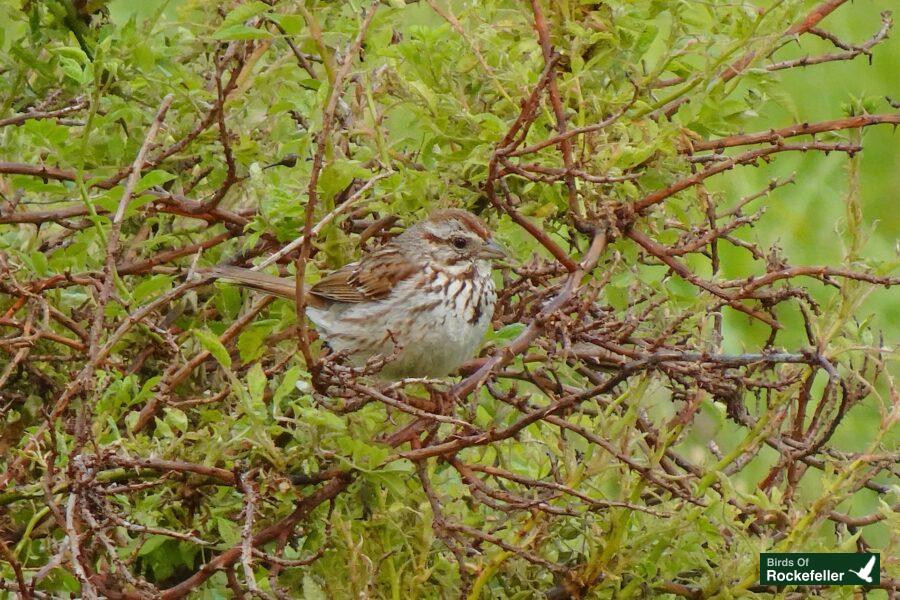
(664, 392)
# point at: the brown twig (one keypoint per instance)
(301, 511)
(565, 143)
(77, 105)
(312, 192)
(775, 136)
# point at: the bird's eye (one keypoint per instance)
(459, 242)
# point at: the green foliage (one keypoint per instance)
(429, 99)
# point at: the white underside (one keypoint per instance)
(440, 337)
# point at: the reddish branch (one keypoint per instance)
(536, 232)
(231, 177)
(734, 301)
(559, 301)
(814, 16)
(729, 163)
(23, 588)
(302, 510)
(748, 285)
(44, 114)
(497, 541)
(850, 51)
(537, 324)
(565, 142)
(312, 190)
(529, 483)
(168, 256)
(166, 202)
(237, 51)
(775, 136)
(112, 244)
(558, 139)
(811, 19)
(158, 464)
(515, 135)
(77, 384)
(739, 66)
(174, 377)
(451, 446)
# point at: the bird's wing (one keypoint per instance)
(372, 278)
(868, 568)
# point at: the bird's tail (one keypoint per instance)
(275, 286)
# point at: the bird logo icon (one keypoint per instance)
(866, 572)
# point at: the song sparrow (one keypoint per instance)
(424, 299)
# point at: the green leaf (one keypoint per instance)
(394, 480)
(363, 455)
(617, 296)
(122, 11)
(131, 419)
(240, 32)
(322, 418)
(162, 429)
(177, 418)
(244, 12)
(251, 343)
(508, 333)
(214, 346)
(312, 590)
(152, 178)
(287, 384)
(292, 24)
(72, 69)
(681, 289)
(150, 286)
(338, 175)
(256, 383)
(72, 52)
(228, 301)
(39, 263)
(152, 543)
(230, 532)
(233, 26)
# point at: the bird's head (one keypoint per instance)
(453, 238)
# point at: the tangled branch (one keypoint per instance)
(571, 441)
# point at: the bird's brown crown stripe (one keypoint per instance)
(466, 218)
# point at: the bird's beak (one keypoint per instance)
(492, 250)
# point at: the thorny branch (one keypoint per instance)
(579, 357)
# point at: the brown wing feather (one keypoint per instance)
(336, 286)
(372, 278)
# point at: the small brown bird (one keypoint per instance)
(424, 299)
